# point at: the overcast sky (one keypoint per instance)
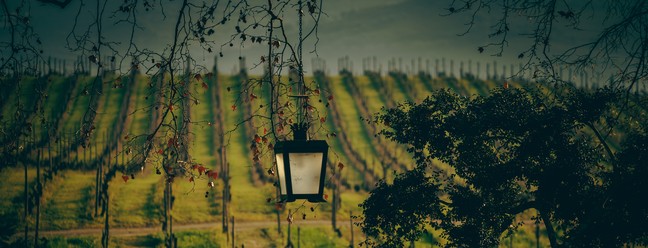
(406, 29)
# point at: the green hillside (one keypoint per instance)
(73, 177)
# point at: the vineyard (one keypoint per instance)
(73, 194)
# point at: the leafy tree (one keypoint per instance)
(510, 152)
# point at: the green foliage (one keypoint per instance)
(8, 225)
(411, 199)
(511, 151)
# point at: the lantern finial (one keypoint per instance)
(300, 131)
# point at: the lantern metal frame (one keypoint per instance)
(285, 148)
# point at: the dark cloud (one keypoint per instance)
(381, 28)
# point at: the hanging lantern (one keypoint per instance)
(301, 167)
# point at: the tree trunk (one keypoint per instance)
(550, 230)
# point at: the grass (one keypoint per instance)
(54, 104)
(134, 203)
(141, 111)
(248, 201)
(70, 203)
(400, 89)
(108, 112)
(68, 200)
(318, 237)
(191, 205)
(25, 95)
(350, 116)
(374, 103)
(12, 183)
(352, 175)
(79, 105)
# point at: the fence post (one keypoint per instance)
(351, 228)
(233, 240)
(443, 64)
(38, 196)
(26, 195)
(461, 69)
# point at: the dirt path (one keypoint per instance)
(139, 231)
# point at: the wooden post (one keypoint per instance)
(289, 242)
(351, 227)
(85, 155)
(470, 68)
(413, 71)
(173, 243)
(537, 233)
(375, 63)
(49, 153)
(106, 231)
(225, 175)
(59, 151)
(69, 150)
(461, 69)
(97, 185)
(365, 64)
(39, 188)
(443, 65)
(167, 220)
(278, 211)
(233, 240)
(488, 75)
(334, 206)
(451, 68)
(26, 194)
(298, 237)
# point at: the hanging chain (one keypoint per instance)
(302, 90)
(299, 49)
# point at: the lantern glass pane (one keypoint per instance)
(305, 170)
(282, 173)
